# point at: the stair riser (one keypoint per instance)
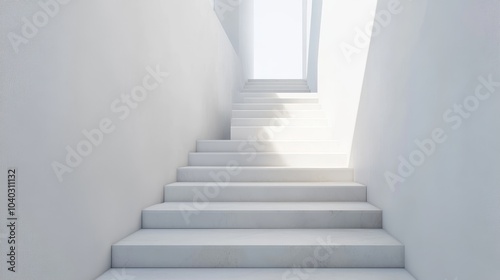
(256, 159)
(277, 89)
(193, 219)
(249, 174)
(238, 146)
(284, 121)
(258, 274)
(276, 81)
(264, 194)
(280, 133)
(280, 108)
(279, 100)
(314, 114)
(272, 86)
(274, 90)
(307, 95)
(317, 256)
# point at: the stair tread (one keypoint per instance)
(281, 121)
(272, 184)
(263, 174)
(286, 118)
(276, 80)
(277, 87)
(268, 191)
(278, 146)
(287, 127)
(270, 141)
(258, 237)
(276, 90)
(271, 112)
(280, 99)
(269, 168)
(266, 153)
(282, 95)
(254, 274)
(270, 206)
(273, 104)
(278, 95)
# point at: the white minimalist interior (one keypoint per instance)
(347, 140)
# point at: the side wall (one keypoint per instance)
(343, 50)
(246, 37)
(422, 86)
(237, 19)
(81, 71)
(228, 13)
(314, 35)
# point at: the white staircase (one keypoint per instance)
(272, 203)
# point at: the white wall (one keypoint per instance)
(340, 72)
(246, 37)
(63, 81)
(228, 13)
(315, 11)
(447, 210)
(237, 19)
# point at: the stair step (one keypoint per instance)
(265, 192)
(268, 159)
(281, 95)
(287, 82)
(234, 173)
(281, 133)
(206, 214)
(264, 248)
(277, 90)
(279, 100)
(238, 146)
(279, 121)
(256, 274)
(315, 114)
(276, 81)
(274, 85)
(277, 107)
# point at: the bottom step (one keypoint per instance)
(256, 274)
(263, 248)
